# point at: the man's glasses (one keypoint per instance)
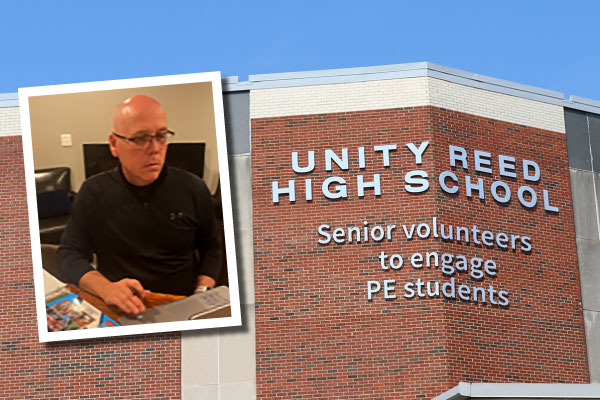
(145, 140)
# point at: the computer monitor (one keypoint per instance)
(189, 156)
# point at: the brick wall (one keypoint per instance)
(317, 335)
(540, 336)
(136, 367)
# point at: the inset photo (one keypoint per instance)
(129, 206)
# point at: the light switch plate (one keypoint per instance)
(65, 140)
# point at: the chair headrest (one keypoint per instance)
(52, 179)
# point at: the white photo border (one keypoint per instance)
(215, 79)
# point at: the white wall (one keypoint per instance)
(88, 118)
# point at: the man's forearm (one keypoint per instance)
(94, 282)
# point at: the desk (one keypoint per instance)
(152, 300)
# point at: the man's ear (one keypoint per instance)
(112, 143)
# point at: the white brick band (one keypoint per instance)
(358, 96)
(10, 121)
(503, 107)
(407, 92)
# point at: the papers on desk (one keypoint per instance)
(65, 311)
(51, 284)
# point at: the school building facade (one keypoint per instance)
(399, 230)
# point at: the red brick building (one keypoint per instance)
(411, 227)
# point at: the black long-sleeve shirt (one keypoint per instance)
(148, 233)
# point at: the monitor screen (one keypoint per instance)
(189, 156)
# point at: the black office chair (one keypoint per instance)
(54, 198)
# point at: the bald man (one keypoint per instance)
(145, 221)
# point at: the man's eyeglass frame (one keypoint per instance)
(145, 140)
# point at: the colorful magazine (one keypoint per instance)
(66, 311)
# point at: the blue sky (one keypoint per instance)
(551, 44)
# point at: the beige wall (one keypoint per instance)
(87, 117)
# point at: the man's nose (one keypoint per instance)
(154, 146)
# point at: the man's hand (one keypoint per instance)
(125, 294)
(207, 281)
